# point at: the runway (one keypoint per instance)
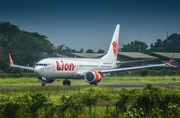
(142, 85)
(8, 88)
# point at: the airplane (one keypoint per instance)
(92, 70)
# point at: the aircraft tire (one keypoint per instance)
(93, 84)
(64, 82)
(68, 82)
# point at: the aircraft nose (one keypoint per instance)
(38, 70)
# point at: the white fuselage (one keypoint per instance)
(70, 67)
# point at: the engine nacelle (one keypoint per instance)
(93, 77)
(46, 80)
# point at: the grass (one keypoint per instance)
(25, 82)
(56, 88)
(17, 87)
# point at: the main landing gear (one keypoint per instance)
(67, 82)
(93, 84)
(43, 84)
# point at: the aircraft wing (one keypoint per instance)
(132, 68)
(122, 62)
(23, 67)
(139, 67)
(18, 66)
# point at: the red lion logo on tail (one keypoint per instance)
(115, 47)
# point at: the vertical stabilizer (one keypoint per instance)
(113, 48)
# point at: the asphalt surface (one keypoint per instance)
(112, 86)
(141, 85)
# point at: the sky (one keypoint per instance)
(90, 24)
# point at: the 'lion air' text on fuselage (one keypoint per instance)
(64, 66)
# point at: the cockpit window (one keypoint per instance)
(40, 64)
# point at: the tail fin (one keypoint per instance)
(113, 48)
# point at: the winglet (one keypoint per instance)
(10, 60)
(169, 62)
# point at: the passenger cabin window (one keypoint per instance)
(80, 65)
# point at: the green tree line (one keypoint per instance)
(170, 44)
(25, 47)
(28, 47)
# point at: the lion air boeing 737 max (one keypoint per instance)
(92, 70)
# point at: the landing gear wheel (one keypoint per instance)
(93, 84)
(64, 82)
(67, 82)
(43, 84)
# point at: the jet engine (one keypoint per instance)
(46, 80)
(93, 77)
